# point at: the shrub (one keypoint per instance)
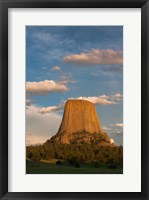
(112, 167)
(77, 165)
(76, 153)
(58, 162)
(97, 164)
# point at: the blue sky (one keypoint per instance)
(63, 62)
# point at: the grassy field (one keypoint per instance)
(50, 167)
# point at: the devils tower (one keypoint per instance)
(80, 123)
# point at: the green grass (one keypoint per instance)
(50, 167)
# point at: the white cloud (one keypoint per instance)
(51, 109)
(32, 139)
(102, 99)
(56, 68)
(105, 128)
(40, 127)
(96, 100)
(45, 37)
(99, 100)
(45, 87)
(96, 56)
(117, 97)
(119, 125)
(112, 141)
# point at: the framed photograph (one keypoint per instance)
(74, 99)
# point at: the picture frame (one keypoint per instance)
(4, 96)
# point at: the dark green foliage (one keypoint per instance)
(33, 167)
(97, 164)
(112, 167)
(77, 165)
(76, 153)
(84, 137)
(58, 162)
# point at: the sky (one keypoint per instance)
(73, 62)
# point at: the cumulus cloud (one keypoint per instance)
(45, 87)
(103, 99)
(40, 127)
(105, 128)
(99, 100)
(56, 68)
(49, 109)
(119, 125)
(32, 139)
(96, 56)
(117, 97)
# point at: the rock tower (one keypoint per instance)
(80, 123)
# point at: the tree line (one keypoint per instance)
(76, 152)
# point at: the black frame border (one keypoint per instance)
(4, 6)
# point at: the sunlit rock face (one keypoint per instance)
(80, 123)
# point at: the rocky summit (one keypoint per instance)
(80, 124)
